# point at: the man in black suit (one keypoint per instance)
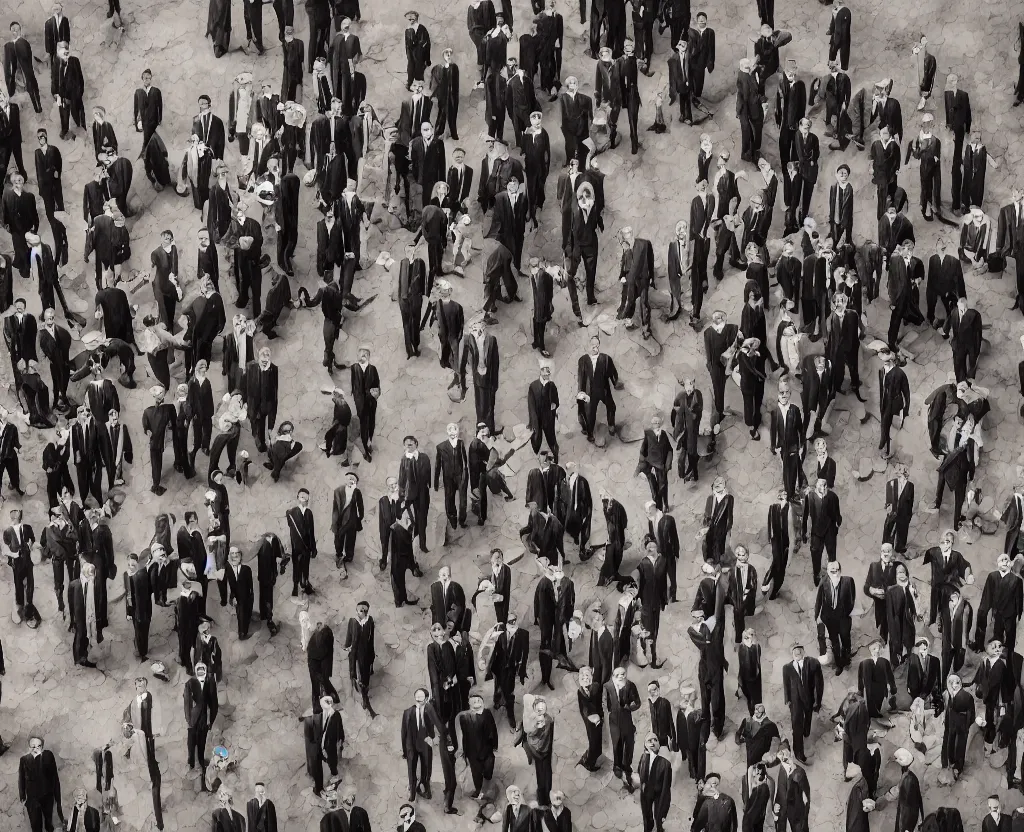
(417, 731)
(259, 392)
(248, 268)
(156, 420)
(577, 112)
(433, 228)
(590, 697)
(39, 786)
(225, 818)
(209, 128)
(409, 289)
(241, 595)
(10, 137)
(302, 536)
(788, 440)
(507, 662)
(460, 181)
(958, 119)
(201, 706)
(508, 221)
(346, 520)
(20, 217)
(542, 404)
(480, 355)
(821, 508)
(802, 685)
(749, 111)
(965, 324)
(148, 107)
(451, 467)
(49, 168)
(18, 58)
(899, 506)
(414, 486)
(402, 559)
(138, 604)
(894, 398)
(717, 522)
(261, 814)
(323, 735)
(365, 392)
(56, 30)
(582, 246)
(833, 606)
(621, 700)
(1003, 597)
(655, 774)
(596, 377)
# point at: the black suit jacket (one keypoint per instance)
(259, 391)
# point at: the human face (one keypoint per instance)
(595, 346)
(833, 571)
(410, 445)
(420, 697)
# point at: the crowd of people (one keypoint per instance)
(942, 662)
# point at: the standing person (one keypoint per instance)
(894, 399)
(148, 108)
(1003, 597)
(480, 353)
(359, 644)
(621, 700)
(687, 411)
(833, 606)
(302, 536)
(821, 507)
(39, 785)
(346, 520)
(268, 555)
(324, 737)
(417, 49)
(479, 743)
(143, 717)
(788, 438)
(590, 698)
(201, 707)
(451, 467)
(240, 595)
(779, 537)
(320, 663)
(365, 392)
(18, 540)
(156, 420)
(959, 715)
(716, 524)
(293, 53)
(803, 685)
(49, 167)
(417, 731)
(749, 111)
(596, 377)
(18, 58)
(261, 814)
(508, 662)
(655, 785)
(899, 506)
(138, 604)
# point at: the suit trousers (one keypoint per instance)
(622, 752)
(197, 746)
(750, 136)
(545, 433)
(141, 629)
(956, 185)
(321, 685)
(345, 544)
(40, 814)
(484, 398)
(424, 761)
(595, 738)
(657, 479)
(801, 728)
(589, 260)
(959, 495)
(24, 583)
(455, 489)
(300, 569)
(839, 634)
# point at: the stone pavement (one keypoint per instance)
(266, 687)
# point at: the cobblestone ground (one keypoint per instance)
(266, 686)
